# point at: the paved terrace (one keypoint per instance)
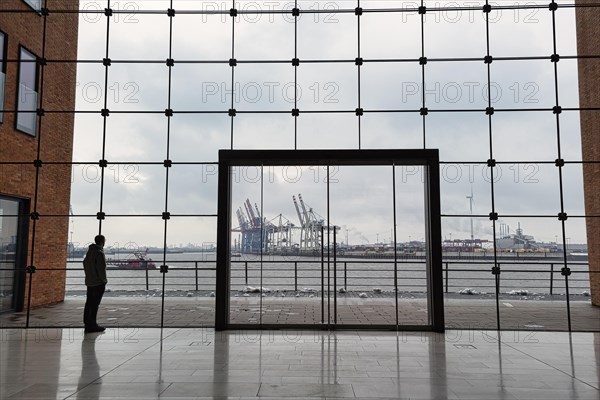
(461, 312)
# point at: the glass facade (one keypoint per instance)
(164, 84)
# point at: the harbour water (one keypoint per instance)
(196, 272)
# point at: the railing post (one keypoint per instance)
(551, 278)
(246, 271)
(147, 278)
(345, 276)
(296, 276)
(196, 268)
(446, 276)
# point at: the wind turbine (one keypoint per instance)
(471, 209)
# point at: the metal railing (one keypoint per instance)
(353, 275)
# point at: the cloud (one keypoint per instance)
(362, 201)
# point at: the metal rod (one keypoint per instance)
(551, 278)
(322, 276)
(334, 276)
(446, 263)
(31, 270)
(196, 271)
(345, 275)
(395, 242)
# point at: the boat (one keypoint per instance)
(138, 261)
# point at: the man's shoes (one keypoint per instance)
(95, 329)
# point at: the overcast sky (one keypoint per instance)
(361, 198)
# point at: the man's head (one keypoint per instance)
(100, 240)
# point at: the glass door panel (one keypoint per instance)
(247, 246)
(361, 207)
(9, 230)
(294, 209)
(350, 241)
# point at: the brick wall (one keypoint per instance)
(55, 138)
(588, 43)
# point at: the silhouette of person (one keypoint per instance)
(94, 265)
(90, 382)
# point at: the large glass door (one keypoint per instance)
(328, 242)
(9, 253)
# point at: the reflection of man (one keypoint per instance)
(94, 265)
(89, 385)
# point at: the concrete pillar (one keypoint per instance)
(588, 43)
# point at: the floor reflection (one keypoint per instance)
(201, 363)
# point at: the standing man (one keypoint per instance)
(94, 265)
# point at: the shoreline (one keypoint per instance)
(315, 295)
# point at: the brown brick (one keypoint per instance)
(588, 44)
(56, 136)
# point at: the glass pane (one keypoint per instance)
(247, 245)
(529, 136)
(190, 283)
(527, 189)
(2, 83)
(89, 88)
(413, 292)
(469, 286)
(453, 32)
(327, 131)
(582, 276)
(198, 138)
(35, 4)
(389, 35)
(27, 94)
(391, 86)
(27, 69)
(27, 106)
(201, 36)
(253, 30)
(137, 36)
(392, 131)
(456, 85)
(136, 138)
(325, 87)
(326, 34)
(263, 131)
(523, 84)
(9, 211)
(466, 189)
(460, 136)
(202, 87)
(193, 189)
(264, 87)
(294, 209)
(92, 27)
(134, 189)
(2, 74)
(521, 32)
(138, 87)
(530, 279)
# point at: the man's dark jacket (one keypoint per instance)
(94, 265)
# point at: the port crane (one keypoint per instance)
(278, 234)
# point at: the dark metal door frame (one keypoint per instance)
(428, 158)
(18, 302)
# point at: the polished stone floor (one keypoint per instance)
(461, 313)
(145, 363)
